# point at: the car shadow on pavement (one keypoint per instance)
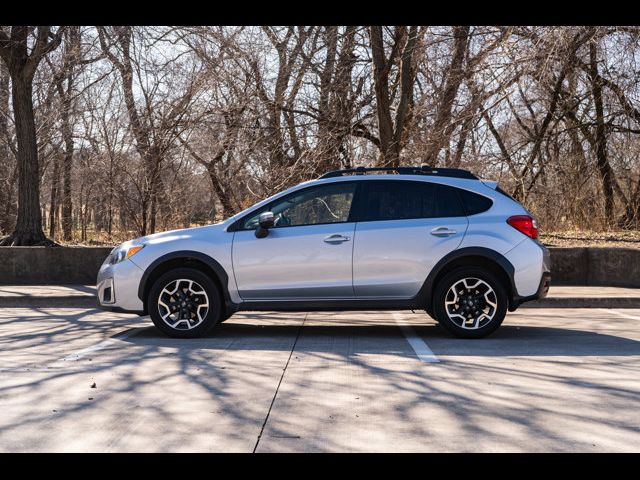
(385, 338)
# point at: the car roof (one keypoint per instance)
(467, 183)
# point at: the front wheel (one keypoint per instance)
(470, 302)
(184, 303)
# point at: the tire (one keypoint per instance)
(179, 297)
(486, 310)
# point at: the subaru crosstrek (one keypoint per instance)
(440, 240)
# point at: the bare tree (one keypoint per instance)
(138, 129)
(154, 129)
(64, 80)
(393, 131)
(22, 65)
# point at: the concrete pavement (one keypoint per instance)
(547, 380)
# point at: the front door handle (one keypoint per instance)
(443, 232)
(336, 238)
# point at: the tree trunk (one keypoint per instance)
(67, 206)
(404, 111)
(153, 210)
(223, 196)
(381, 69)
(327, 151)
(110, 200)
(55, 187)
(144, 212)
(604, 168)
(28, 229)
(8, 172)
(7, 223)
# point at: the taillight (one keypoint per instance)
(524, 224)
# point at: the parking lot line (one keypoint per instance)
(620, 314)
(419, 346)
(99, 346)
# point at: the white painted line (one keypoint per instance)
(419, 346)
(99, 346)
(620, 314)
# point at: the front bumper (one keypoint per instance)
(117, 287)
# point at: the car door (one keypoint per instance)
(306, 255)
(404, 229)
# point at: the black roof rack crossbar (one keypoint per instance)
(422, 170)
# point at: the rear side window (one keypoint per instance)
(397, 200)
(474, 203)
(443, 202)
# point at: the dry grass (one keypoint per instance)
(584, 238)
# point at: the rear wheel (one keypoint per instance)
(470, 302)
(184, 303)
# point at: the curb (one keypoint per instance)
(584, 302)
(52, 302)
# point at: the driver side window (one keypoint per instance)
(312, 206)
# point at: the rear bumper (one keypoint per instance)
(531, 275)
(543, 290)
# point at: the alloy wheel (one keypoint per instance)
(471, 303)
(183, 304)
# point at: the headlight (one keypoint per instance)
(119, 254)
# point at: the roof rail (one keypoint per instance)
(422, 170)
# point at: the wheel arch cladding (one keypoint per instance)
(469, 257)
(185, 259)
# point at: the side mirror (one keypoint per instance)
(265, 222)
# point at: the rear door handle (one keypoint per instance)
(336, 238)
(443, 232)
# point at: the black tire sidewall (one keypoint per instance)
(214, 312)
(448, 280)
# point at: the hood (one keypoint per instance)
(172, 235)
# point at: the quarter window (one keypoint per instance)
(475, 203)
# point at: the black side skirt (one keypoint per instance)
(330, 305)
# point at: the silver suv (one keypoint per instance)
(386, 239)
